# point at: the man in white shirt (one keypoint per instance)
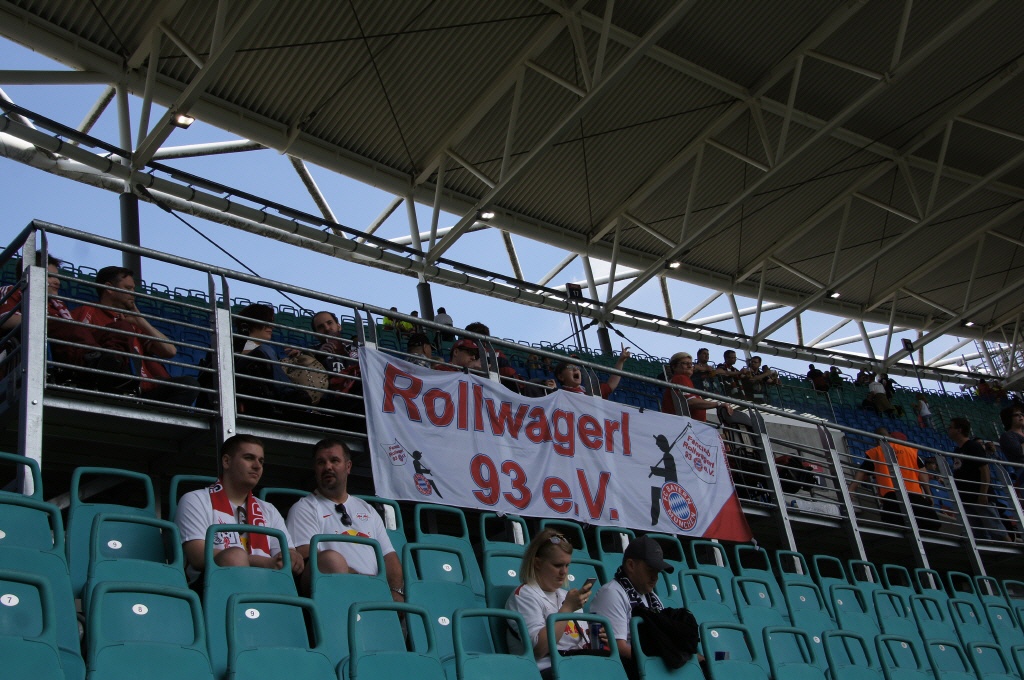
(231, 501)
(331, 510)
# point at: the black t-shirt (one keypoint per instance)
(967, 473)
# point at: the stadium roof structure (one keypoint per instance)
(861, 158)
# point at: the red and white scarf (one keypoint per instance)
(254, 542)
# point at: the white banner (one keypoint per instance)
(463, 440)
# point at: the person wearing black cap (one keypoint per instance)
(633, 585)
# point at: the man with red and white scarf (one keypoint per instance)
(231, 501)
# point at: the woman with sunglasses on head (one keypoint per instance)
(680, 368)
(543, 573)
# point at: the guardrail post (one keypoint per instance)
(225, 367)
(842, 488)
(32, 369)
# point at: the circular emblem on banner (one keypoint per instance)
(422, 485)
(679, 506)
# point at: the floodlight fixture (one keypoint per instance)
(182, 120)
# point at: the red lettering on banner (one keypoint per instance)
(486, 477)
(503, 418)
(430, 399)
(463, 408)
(537, 429)
(610, 428)
(565, 440)
(406, 394)
(518, 476)
(595, 502)
(627, 446)
(557, 494)
(590, 431)
(478, 408)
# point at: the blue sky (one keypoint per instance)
(29, 194)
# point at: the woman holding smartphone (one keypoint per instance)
(543, 572)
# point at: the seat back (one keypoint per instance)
(23, 465)
(731, 653)
(159, 628)
(82, 513)
(932, 618)
(791, 565)
(807, 608)
(133, 549)
(281, 497)
(611, 543)
(1004, 624)
(391, 514)
(427, 517)
(902, 658)
(441, 597)
(792, 654)
(895, 616)
(989, 589)
(471, 665)
(704, 595)
(897, 579)
(852, 613)
(582, 568)
(587, 666)
(948, 660)
(336, 593)
(654, 667)
(711, 557)
(32, 541)
(421, 662)
(758, 609)
(182, 484)
(969, 621)
(929, 582)
(865, 577)
(829, 571)
(268, 637)
(990, 661)
(751, 560)
(28, 627)
(850, 656)
(220, 583)
(503, 532)
(501, 575)
(667, 587)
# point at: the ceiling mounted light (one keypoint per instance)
(675, 264)
(834, 294)
(968, 324)
(485, 215)
(182, 120)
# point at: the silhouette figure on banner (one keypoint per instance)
(664, 468)
(423, 482)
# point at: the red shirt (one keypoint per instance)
(668, 404)
(56, 307)
(102, 317)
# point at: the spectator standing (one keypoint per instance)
(924, 414)
(817, 378)
(1012, 439)
(443, 318)
(915, 478)
(703, 377)
(973, 481)
(678, 403)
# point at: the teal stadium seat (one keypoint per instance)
(733, 641)
(336, 593)
(220, 583)
(81, 514)
(759, 610)
(791, 566)
(419, 663)
(864, 576)
(933, 619)
(990, 662)
(492, 666)
(902, 659)
(667, 588)
(610, 543)
(152, 631)
(807, 608)
(428, 585)
(653, 667)
(512, 533)
(751, 560)
(391, 514)
(281, 497)
(591, 667)
(268, 638)
(896, 618)
(710, 557)
(850, 656)
(969, 621)
(22, 466)
(1005, 625)
(852, 612)
(829, 571)
(427, 521)
(501, 578)
(792, 654)
(182, 484)
(989, 589)
(28, 628)
(704, 595)
(949, 661)
(133, 549)
(32, 541)
(897, 579)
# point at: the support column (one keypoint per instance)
(131, 233)
(426, 300)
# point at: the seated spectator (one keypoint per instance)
(231, 501)
(818, 379)
(730, 376)
(82, 352)
(703, 377)
(420, 350)
(126, 330)
(570, 376)
(756, 381)
(510, 377)
(631, 593)
(258, 369)
(338, 355)
(412, 326)
(330, 509)
(864, 377)
(915, 478)
(680, 367)
(543, 572)
(465, 356)
(442, 317)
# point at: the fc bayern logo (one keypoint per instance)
(679, 506)
(422, 485)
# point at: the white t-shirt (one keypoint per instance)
(612, 602)
(536, 605)
(876, 388)
(314, 514)
(196, 514)
(922, 408)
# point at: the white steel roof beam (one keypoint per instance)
(513, 259)
(936, 360)
(830, 331)
(649, 229)
(382, 218)
(207, 149)
(602, 42)
(621, 68)
(97, 109)
(701, 306)
(991, 128)
(544, 280)
(666, 297)
(974, 273)
(839, 242)
(939, 165)
(249, 18)
(739, 155)
(725, 316)
(850, 339)
(314, 191)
